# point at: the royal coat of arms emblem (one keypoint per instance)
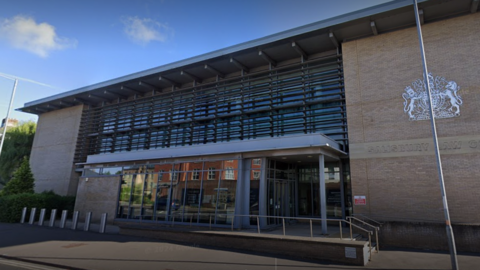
(446, 101)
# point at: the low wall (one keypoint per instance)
(297, 248)
(422, 235)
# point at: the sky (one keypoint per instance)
(54, 46)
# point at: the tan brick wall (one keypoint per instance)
(53, 151)
(377, 70)
(97, 195)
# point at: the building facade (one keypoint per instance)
(324, 120)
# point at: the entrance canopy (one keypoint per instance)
(295, 145)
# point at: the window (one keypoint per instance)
(256, 175)
(211, 173)
(196, 174)
(173, 175)
(229, 173)
(257, 161)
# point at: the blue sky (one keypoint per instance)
(72, 44)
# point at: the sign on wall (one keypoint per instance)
(360, 200)
(446, 101)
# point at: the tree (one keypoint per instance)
(22, 181)
(17, 145)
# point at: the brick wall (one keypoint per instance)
(404, 185)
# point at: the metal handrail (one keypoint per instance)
(377, 246)
(361, 215)
(184, 216)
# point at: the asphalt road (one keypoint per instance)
(48, 247)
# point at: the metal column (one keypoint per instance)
(323, 196)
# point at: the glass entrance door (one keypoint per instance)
(282, 193)
(281, 201)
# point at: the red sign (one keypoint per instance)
(360, 200)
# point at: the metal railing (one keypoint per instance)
(376, 228)
(365, 217)
(188, 218)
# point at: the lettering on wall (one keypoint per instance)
(447, 145)
(446, 101)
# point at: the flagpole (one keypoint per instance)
(8, 113)
(451, 239)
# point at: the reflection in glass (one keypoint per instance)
(124, 196)
(226, 197)
(332, 187)
(137, 195)
(148, 196)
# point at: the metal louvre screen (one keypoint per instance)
(297, 99)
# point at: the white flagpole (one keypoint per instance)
(8, 115)
(451, 239)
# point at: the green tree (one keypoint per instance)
(17, 145)
(22, 181)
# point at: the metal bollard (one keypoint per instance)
(75, 220)
(24, 214)
(32, 216)
(53, 216)
(283, 223)
(42, 217)
(210, 223)
(63, 219)
(103, 223)
(88, 218)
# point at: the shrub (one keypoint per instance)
(22, 181)
(12, 205)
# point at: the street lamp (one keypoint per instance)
(8, 111)
(451, 239)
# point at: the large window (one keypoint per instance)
(200, 192)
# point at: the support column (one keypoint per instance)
(323, 196)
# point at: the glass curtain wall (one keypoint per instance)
(201, 192)
(299, 99)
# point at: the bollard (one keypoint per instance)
(88, 218)
(283, 224)
(75, 220)
(32, 216)
(103, 223)
(53, 216)
(63, 219)
(24, 214)
(42, 217)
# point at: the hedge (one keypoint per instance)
(11, 205)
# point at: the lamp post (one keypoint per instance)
(8, 111)
(451, 239)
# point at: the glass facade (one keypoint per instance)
(190, 192)
(300, 98)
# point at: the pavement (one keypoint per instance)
(24, 246)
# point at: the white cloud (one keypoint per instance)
(24, 33)
(143, 31)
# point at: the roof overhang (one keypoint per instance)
(316, 143)
(312, 39)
